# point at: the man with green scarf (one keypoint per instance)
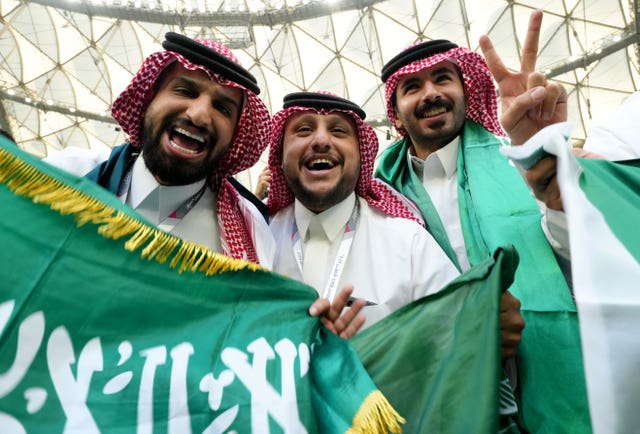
(442, 100)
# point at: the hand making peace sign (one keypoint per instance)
(529, 102)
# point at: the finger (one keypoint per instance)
(509, 342)
(552, 196)
(554, 104)
(512, 322)
(510, 339)
(494, 62)
(539, 175)
(329, 325)
(530, 47)
(536, 79)
(319, 307)
(520, 106)
(508, 351)
(343, 320)
(353, 327)
(542, 179)
(508, 302)
(340, 302)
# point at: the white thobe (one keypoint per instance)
(392, 261)
(439, 176)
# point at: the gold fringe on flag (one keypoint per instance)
(376, 415)
(27, 181)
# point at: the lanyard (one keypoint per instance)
(170, 221)
(341, 258)
(174, 218)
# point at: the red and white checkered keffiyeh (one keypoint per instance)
(480, 91)
(377, 193)
(251, 138)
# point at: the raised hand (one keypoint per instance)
(529, 102)
(262, 186)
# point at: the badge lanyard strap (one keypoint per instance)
(341, 258)
(173, 218)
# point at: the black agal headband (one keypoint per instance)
(321, 101)
(411, 54)
(211, 59)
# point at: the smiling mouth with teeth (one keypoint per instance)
(186, 142)
(320, 164)
(434, 112)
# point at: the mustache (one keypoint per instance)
(181, 122)
(439, 103)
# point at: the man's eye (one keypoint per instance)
(223, 108)
(183, 91)
(410, 87)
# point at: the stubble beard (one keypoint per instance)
(434, 141)
(438, 135)
(318, 202)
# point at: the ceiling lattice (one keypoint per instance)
(60, 69)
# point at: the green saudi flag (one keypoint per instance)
(437, 360)
(602, 203)
(108, 325)
(115, 327)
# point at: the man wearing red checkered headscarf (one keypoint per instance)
(442, 100)
(193, 119)
(334, 224)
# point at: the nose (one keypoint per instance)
(200, 112)
(430, 91)
(321, 139)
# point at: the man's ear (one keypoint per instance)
(396, 120)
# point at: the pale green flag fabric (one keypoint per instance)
(437, 360)
(602, 204)
(115, 327)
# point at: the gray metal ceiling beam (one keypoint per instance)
(40, 105)
(269, 17)
(628, 37)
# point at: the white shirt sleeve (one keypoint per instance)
(77, 161)
(616, 136)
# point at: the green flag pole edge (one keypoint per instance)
(25, 180)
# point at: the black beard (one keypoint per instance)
(437, 140)
(167, 168)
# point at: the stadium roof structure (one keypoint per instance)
(62, 62)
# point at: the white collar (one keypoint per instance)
(170, 198)
(332, 220)
(446, 158)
